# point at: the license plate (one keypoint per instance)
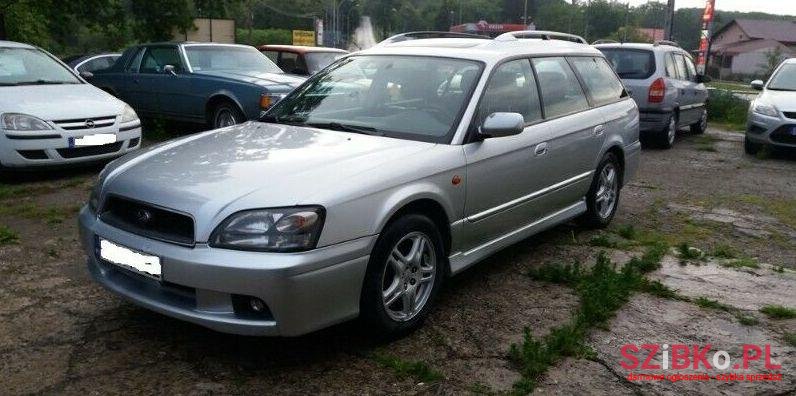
(130, 259)
(92, 140)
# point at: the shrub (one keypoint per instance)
(726, 108)
(264, 36)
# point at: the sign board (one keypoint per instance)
(304, 37)
(209, 30)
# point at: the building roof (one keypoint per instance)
(783, 31)
(751, 45)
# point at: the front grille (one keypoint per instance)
(88, 151)
(790, 114)
(86, 123)
(148, 220)
(785, 134)
(33, 154)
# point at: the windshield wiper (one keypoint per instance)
(45, 82)
(336, 126)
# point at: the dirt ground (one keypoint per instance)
(62, 334)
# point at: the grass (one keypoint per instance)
(784, 209)
(790, 339)
(687, 252)
(727, 109)
(405, 369)
(602, 290)
(724, 251)
(744, 262)
(7, 235)
(747, 320)
(707, 303)
(51, 214)
(603, 240)
(778, 312)
(731, 86)
(705, 143)
(627, 231)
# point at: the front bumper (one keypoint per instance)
(304, 291)
(49, 148)
(778, 131)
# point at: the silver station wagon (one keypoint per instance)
(367, 186)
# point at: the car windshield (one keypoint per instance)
(630, 63)
(228, 58)
(407, 97)
(784, 79)
(316, 61)
(30, 66)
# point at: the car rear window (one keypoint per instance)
(634, 64)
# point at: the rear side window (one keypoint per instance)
(512, 89)
(689, 64)
(671, 69)
(679, 63)
(272, 55)
(136, 62)
(561, 91)
(599, 79)
(631, 63)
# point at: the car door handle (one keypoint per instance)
(540, 149)
(599, 130)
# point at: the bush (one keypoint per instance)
(264, 36)
(726, 108)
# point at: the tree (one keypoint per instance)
(773, 58)
(629, 34)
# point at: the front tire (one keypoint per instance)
(701, 126)
(750, 147)
(404, 275)
(223, 115)
(602, 200)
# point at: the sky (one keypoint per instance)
(780, 7)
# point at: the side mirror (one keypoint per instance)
(170, 69)
(703, 78)
(502, 124)
(86, 75)
(757, 84)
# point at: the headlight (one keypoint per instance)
(23, 122)
(271, 230)
(128, 115)
(268, 100)
(767, 110)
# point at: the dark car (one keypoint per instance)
(217, 84)
(91, 63)
(301, 60)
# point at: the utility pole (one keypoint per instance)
(525, 14)
(669, 21)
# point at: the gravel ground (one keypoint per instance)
(62, 334)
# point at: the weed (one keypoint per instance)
(724, 107)
(658, 289)
(403, 368)
(783, 209)
(747, 320)
(779, 269)
(7, 235)
(707, 303)
(627, 231)
(688, 252)
(778, 312)
(724, 251)
(603, 240)
(479, 388)
(790, 338)
(744, 262)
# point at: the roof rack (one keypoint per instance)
(540, 34)
(604, 41)
(430, 35)
(666, 42)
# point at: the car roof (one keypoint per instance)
(479, 49)
(14, 44)
(646, 46)
(300, 48)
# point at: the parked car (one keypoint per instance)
(661, 77)
(772, 115)
(216, 84)
(86, 65)
(349, 203)
(301, 60)
(50, 116)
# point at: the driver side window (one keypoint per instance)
(155, 59)
(512, 89)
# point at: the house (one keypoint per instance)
(742, 46)
(652, 34)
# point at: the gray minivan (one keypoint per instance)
(661, 77)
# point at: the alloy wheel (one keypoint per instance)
(607, 191)
(671, 132)
(225, 118)
(408, 277)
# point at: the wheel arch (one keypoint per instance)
(222, 97)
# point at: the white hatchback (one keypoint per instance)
(50, 116)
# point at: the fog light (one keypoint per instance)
(257, 305)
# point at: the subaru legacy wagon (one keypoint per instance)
(364, 189)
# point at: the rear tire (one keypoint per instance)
(223, 115)
(602, 200)
(667, 136)
(701, 126)
(401, 284)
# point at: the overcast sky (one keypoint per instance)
(781, 7)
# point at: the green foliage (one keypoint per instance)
(778, 312)
(747, 320)
(743, 262)
(724, 251)
(403, 368)
(707, 303)
(687, 252)
(257, 37)
(7, 235)
(790, 339)
(726, 108)
(627, 231)
(629, 34)
(603, 240)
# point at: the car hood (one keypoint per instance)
(284, 80)
(252, 165)
(59, 102)
(783, 100)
